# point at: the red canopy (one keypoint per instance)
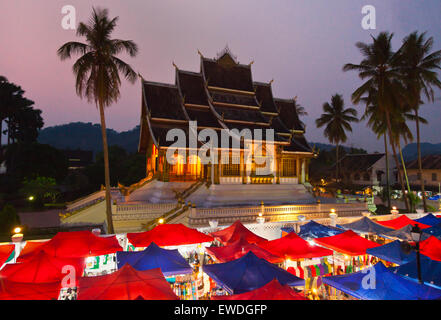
(273, 290)
(126, 284)
(42, 268)
(348, 243)
(165, 235)
(238, 249)
(30, 248)
(5, 252)
(401, 222)
(79, 244)
(431, 247)
(293, 247)
(234, 232)
(10, 290)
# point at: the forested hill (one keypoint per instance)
(87, 136)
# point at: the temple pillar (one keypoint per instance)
(302, 177)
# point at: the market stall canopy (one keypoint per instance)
(166, 235)
(433, 231)
(6, 250)
(234, 232)
(286, 230)
(429, 220)
(126, 284)
(404, 234)
(271, 291)
(169, 261)
(430, 270)
(313, 230)
(238, 249)
(388, 286)
(401, 222)
(43, 268)
(10, 290)
(431, 247)
(293, 247)
(248, 273)
(392, 252)
(348, 243)
(79, 244)
(29, 249)
(366, 225)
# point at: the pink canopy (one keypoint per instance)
(165, 235)
(43, 268)
(234, 232)
(401, 222)
(273, 290)
(77, 244)
(293, 247)
(126, 284)
(238, 249)
(348, 243)
(10, 290)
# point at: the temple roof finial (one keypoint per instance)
(174, 65)
(200, 53)
(271, 82)
(251, 63)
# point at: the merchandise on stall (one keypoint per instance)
(312, 230)
(392, 252)
(311, 271)
(387, 285)
(273, 290)
(43, 268)
(126, 284)
(401, 222)
(170, 261)
(366, 225)
(293, 247)
(234, 232)
(348, 243)
(238, 249)
(10, 290)
(166, 235)
(248, 273)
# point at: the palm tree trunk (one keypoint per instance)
(404, 167)
(397, 163)
(106, 171)
(336, 163)
(420, 166)
(387, 173)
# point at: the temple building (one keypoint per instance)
(221, 96)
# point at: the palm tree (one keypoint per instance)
(419, 66)
(300, 111)
(337, 120)
(380, 67)
(97, 74)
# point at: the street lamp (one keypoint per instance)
(416, 233)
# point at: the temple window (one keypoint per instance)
(289, 168)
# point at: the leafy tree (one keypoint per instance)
(336, 120)
(97, 74)
(419, 67)
(8, 219)
(40, 190)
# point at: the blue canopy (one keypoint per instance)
(433, 231)
(388, 286)
(436, 197)
(249, 273)
(392, 252)
(287, 229)
(365, 225)
(170, 261)
(429, 219)
(404, 234)
(430, 270)
(316, 230)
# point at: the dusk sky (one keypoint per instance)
(301, 44)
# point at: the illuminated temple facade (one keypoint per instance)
(222, 95)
